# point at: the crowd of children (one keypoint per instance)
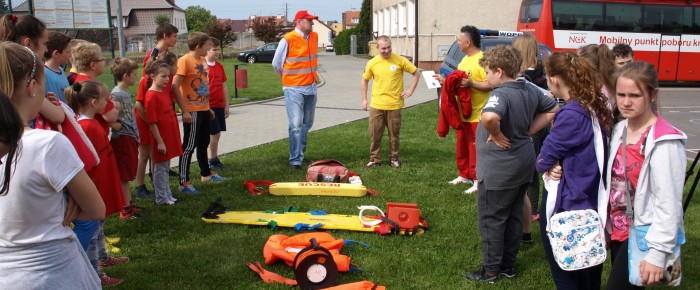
(76, 126)
(100, 141)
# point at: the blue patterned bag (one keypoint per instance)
(637, 248)
(577, 239)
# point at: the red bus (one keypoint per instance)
(662, 32)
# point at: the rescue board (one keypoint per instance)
(318, 189)
(290, 219)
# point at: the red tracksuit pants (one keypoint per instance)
(465, 152)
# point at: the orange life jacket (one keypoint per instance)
(286, 248)
(362, 285)
(302, 58)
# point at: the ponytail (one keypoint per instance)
(581, 77)
(14, 28)
(79, 94)
(11, 128)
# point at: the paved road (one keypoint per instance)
(681, 107)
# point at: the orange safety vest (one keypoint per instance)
(302, 58)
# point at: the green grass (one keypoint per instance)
(171, 248)
(263, 82)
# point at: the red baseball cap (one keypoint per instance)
(304, 14)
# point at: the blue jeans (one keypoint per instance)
(300, 112)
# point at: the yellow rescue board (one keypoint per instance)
(318, 189)
(290, 219)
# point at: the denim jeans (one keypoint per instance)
(97, 248)
(300, 112)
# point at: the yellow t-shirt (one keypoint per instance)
(470, 65)
(388, 80)
(195, 85)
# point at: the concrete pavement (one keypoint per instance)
(339, 101)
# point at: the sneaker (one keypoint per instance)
(112, 240)
(472, 189)
(459, 180)
(395, 163)
(187, 188)
(508, 273)
(128, 215)
(135, 208)
(112, 261)
(167, 202)
(482, 276)
(213, 177)
(108, 281)
(295, 166)
(372, 164)
(215, 164)
(143, 193)
(172, 199)
(535, 218)
(527, 238)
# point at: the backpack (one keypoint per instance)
(327, 170)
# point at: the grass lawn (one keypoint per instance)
(263, 82)
(171, 248)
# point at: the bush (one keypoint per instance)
(341, 44)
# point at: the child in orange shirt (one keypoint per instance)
(87, 98)
(160, 116)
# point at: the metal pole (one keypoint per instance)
(120, 29)
(235, 81)
(111, 35)
(30, 7)
(9, 5)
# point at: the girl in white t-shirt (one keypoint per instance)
(38, 250)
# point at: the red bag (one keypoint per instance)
(327, 171)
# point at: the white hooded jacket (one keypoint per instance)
(659, 191)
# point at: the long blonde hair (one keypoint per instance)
(527, 46)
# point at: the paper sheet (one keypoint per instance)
(430, 80)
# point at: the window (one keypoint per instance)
(577, 15)
(394, 21)
(411, 18)
(375, 21)
(662, 18)
(380, 22)
(623, 17)
(402, 19)
(387, 23)
(355, 20)
(530, 11)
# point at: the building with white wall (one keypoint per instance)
(437, 23)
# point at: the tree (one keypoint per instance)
(364, 27)
(4, 9)
(162, 19)
(224, 33)
(197, 18)
(266, 30)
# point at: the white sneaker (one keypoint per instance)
(459, 180)
(472, 189)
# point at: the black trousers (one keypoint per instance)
(195, 136)
(500, 214)
(619, 274)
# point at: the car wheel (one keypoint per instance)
(252, 59)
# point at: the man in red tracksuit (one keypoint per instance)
(455, 111)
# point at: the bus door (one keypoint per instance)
(670, 47)
(689, 58)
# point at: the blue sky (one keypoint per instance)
(326, 10)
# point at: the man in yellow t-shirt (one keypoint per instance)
(469, 42)
(388, 94)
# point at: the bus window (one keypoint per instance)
(587, 14)
(530, 11)
(695, 26)
(623, 17)
(663, 19)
